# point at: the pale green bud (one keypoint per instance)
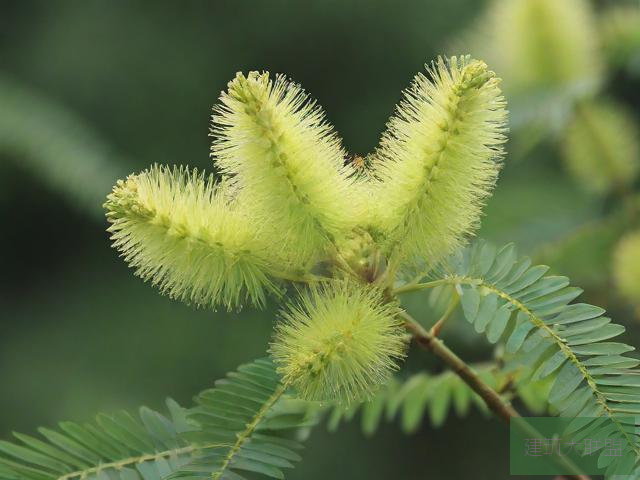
(600, 147)
(338, 342)
(537, 45)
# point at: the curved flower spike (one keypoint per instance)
(178, 230)
(438, 160)
(287, 162)
(339, 342)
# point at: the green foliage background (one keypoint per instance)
(79, 334)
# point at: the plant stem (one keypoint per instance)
(436, 346)
(412, 287)
(437, 327)
(293, 277)
(492, 399)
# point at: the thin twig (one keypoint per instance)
(438, 348)
(293, 277)
(492, 399)
(412, 287)
(437, 327)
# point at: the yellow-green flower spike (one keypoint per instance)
(539, 44)
(338, 342)
(439, 160)
(601, 148)
(179, 231)
(626, 267)
(275, 144)
(291, 206)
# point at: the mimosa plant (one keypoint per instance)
(338, 243)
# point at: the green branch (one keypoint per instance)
(415, 286)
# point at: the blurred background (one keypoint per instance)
(92, 90)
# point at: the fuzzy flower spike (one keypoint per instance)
(338, 342)
(287, 163)
(179, 230)
(439, 160)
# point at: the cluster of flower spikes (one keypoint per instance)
(290, 208)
